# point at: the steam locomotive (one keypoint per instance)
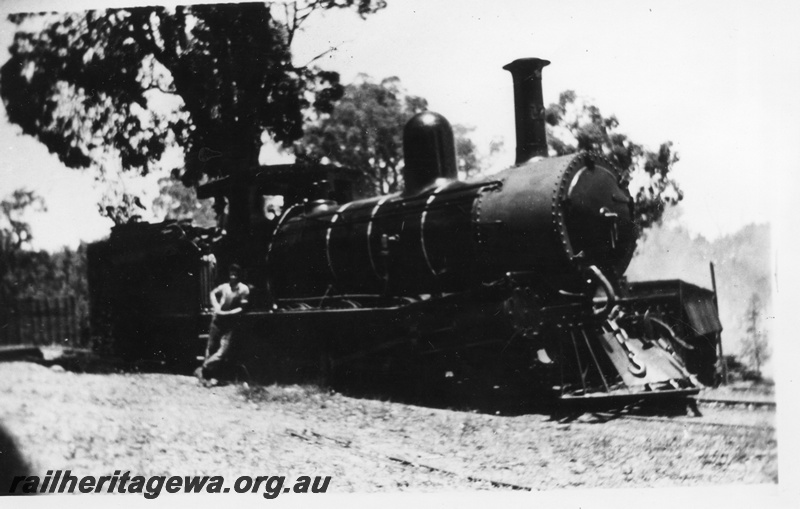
(516, 280)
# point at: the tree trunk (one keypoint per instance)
(242, 206)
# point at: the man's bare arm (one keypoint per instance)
(233, 311)
(244, 300)
(215, 303)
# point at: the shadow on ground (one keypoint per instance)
(497, 397)
(12, 464)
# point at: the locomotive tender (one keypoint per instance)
(516, 280)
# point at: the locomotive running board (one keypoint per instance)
(675, 398)
(646, 369)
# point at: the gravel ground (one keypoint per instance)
(163, 424)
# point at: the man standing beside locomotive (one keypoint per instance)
(229, 301)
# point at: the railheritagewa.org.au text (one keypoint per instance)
(63, 481)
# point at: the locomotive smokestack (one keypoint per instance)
(529, 112)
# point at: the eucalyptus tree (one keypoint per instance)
(115, 88)
(574, 123)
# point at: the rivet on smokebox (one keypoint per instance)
(448, 374)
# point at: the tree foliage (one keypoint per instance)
(15, 235)
(123, 84)
(15, 232)
(28, 273)
(739, 371)
(467, 157)
(178, 202)
(121, 207)
(365, 132)
(755, 345)
(576, 124)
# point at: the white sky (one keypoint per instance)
(719, 79)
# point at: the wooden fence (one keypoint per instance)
(44, 321)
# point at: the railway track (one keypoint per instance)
(320, 439)
(728, 410)
(702, 424)
(766, 404)
(698, 422)
(726, 420)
